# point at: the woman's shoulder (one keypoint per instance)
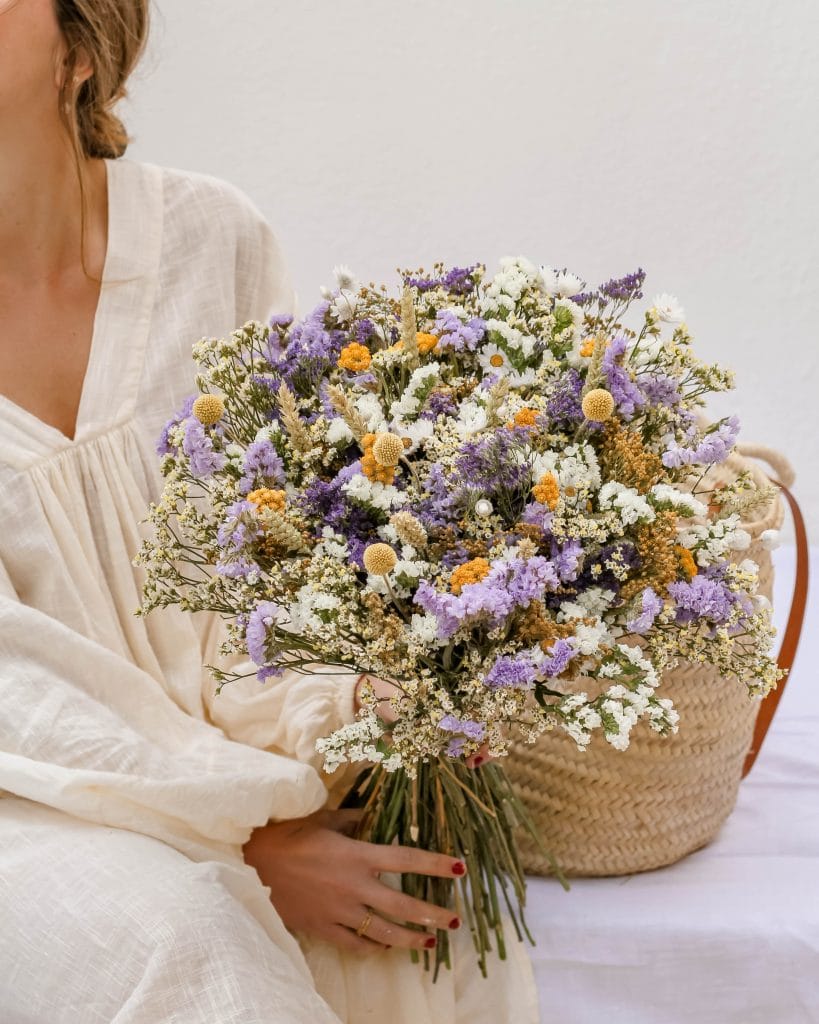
(200, 207)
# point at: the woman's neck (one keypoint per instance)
(41, 215)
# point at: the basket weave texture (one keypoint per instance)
(609, 812)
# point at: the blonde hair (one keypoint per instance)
(110, 35)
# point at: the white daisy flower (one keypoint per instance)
(345, 278)
(494, 360)
(344, 305)
(568, 284)
(416, 432)
(668, 308)
(337, 431)
(471, 419)
(548, 280)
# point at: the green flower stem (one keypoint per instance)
(469, 814)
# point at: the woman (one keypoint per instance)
(159, 846)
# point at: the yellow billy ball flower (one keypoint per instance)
(208, 409)
(379, 559)
(388, 449)
(598, 405)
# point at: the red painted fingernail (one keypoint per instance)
(455, 923)
(459, 868)
(479, 760)
(431, 942)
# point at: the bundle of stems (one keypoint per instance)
(471, 814)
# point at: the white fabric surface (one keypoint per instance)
(729, 935)
(129, 787)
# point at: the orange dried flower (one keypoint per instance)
(370, 466)
(687, 563)
(469, 572)
(266, 498)
(355, 357)
(546, 490)
(525, 417)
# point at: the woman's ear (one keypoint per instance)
(81, 71)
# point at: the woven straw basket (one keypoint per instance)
(610, 812)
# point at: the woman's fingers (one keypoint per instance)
(479, 757)
(347, 939)
(390, 934)
(344, 820)
(398, 905)
(404, 859)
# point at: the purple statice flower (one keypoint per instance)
(511, 672)
(232, 534)
(567, 559)
(465, 726)
(508, 585)
(627, 396)
(198, 447)
(237, 530)
(537, 514)
(312, 350)
(438, 509)
(261, 467)
(265, 615)
(457, 281)
(624, 289)
(659, 389)
(439, 403)
(702, 598)
(282, 320)
(237, 568)
(597, 574)
(564, 405)
(325, 503)
(163, 445)
(560, 654)
(491, 464)
(456, 335)
(268, 382)
(476, 599)
(651, 606)
(715, 446)
(524, 579)
(364, 330)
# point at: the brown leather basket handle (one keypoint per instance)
(793, 630)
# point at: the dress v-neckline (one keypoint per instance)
(121, 320)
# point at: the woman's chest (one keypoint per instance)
(45, 341)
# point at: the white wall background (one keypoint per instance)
(676, 135)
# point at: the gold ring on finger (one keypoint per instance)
(365, 924)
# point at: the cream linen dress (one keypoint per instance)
(128, 787)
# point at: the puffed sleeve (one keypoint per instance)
(85, 730)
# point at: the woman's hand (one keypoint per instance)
(383, 691)
(325, 884)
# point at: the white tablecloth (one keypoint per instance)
(730, 935)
